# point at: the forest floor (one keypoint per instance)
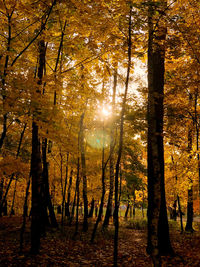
(58, 248)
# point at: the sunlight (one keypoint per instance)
(106, 111)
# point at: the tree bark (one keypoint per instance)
(117, 168)
(67, 211)
(37, 218)
(64, 189)
(48, 202)
(112, 144)
(158, 230)
(83, 164)
(90, 215)
(103, 168)
(25, 212)
(189, 222)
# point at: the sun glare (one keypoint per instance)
(106, 111)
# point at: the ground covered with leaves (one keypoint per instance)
(59, 248)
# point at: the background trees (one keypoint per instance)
(63, 68)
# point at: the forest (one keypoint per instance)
(99, 133)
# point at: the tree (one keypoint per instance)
(158, 230)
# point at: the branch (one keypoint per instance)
(42, 28)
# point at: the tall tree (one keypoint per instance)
(158, 230)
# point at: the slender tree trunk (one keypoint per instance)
(134, 203)
(3, 79)
(64, 190)
(103, 168)
(112, 144)
(25, 212)
(2, 202)
(37, 218)
(73, 206)
(189, 222)
(158, 230)
(127, 209)
(48, 202)
(77, 203)
(117, 168)
(90, 215)
(143, 202)
(1, 194)
(67, 211)
(180, 212)
(83, 164)
(12, 212)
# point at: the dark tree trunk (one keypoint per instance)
(99, 217)
(189, 222)
(158, 230)
(12, 212)
(64, 190)
(37, 218)
(77, 188)
(112, 144)
(127, 210)
(3, 79)
(37, 226)
(134, 204)
(90, 215)
(1, 195)
(25, 212)
(83, 164)
(48, 202)
(180, 213)
(117, 168)
(67, 211)
(78, 198)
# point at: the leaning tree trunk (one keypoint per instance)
(158, 230)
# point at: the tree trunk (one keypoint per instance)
(48, 202)
(90, 215)
(83, 164)
(77, 203)
(189, 227)
(189, 222)
(127, 210)
(117, 168)
(12, 176)
(64, 190)
(37, 218)
(158, 230)
(12, 212)
(25, 212)
(37, 226)
(67, 211)
(103, 192)
(3, 79)
(134, 203)
(112, 144)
